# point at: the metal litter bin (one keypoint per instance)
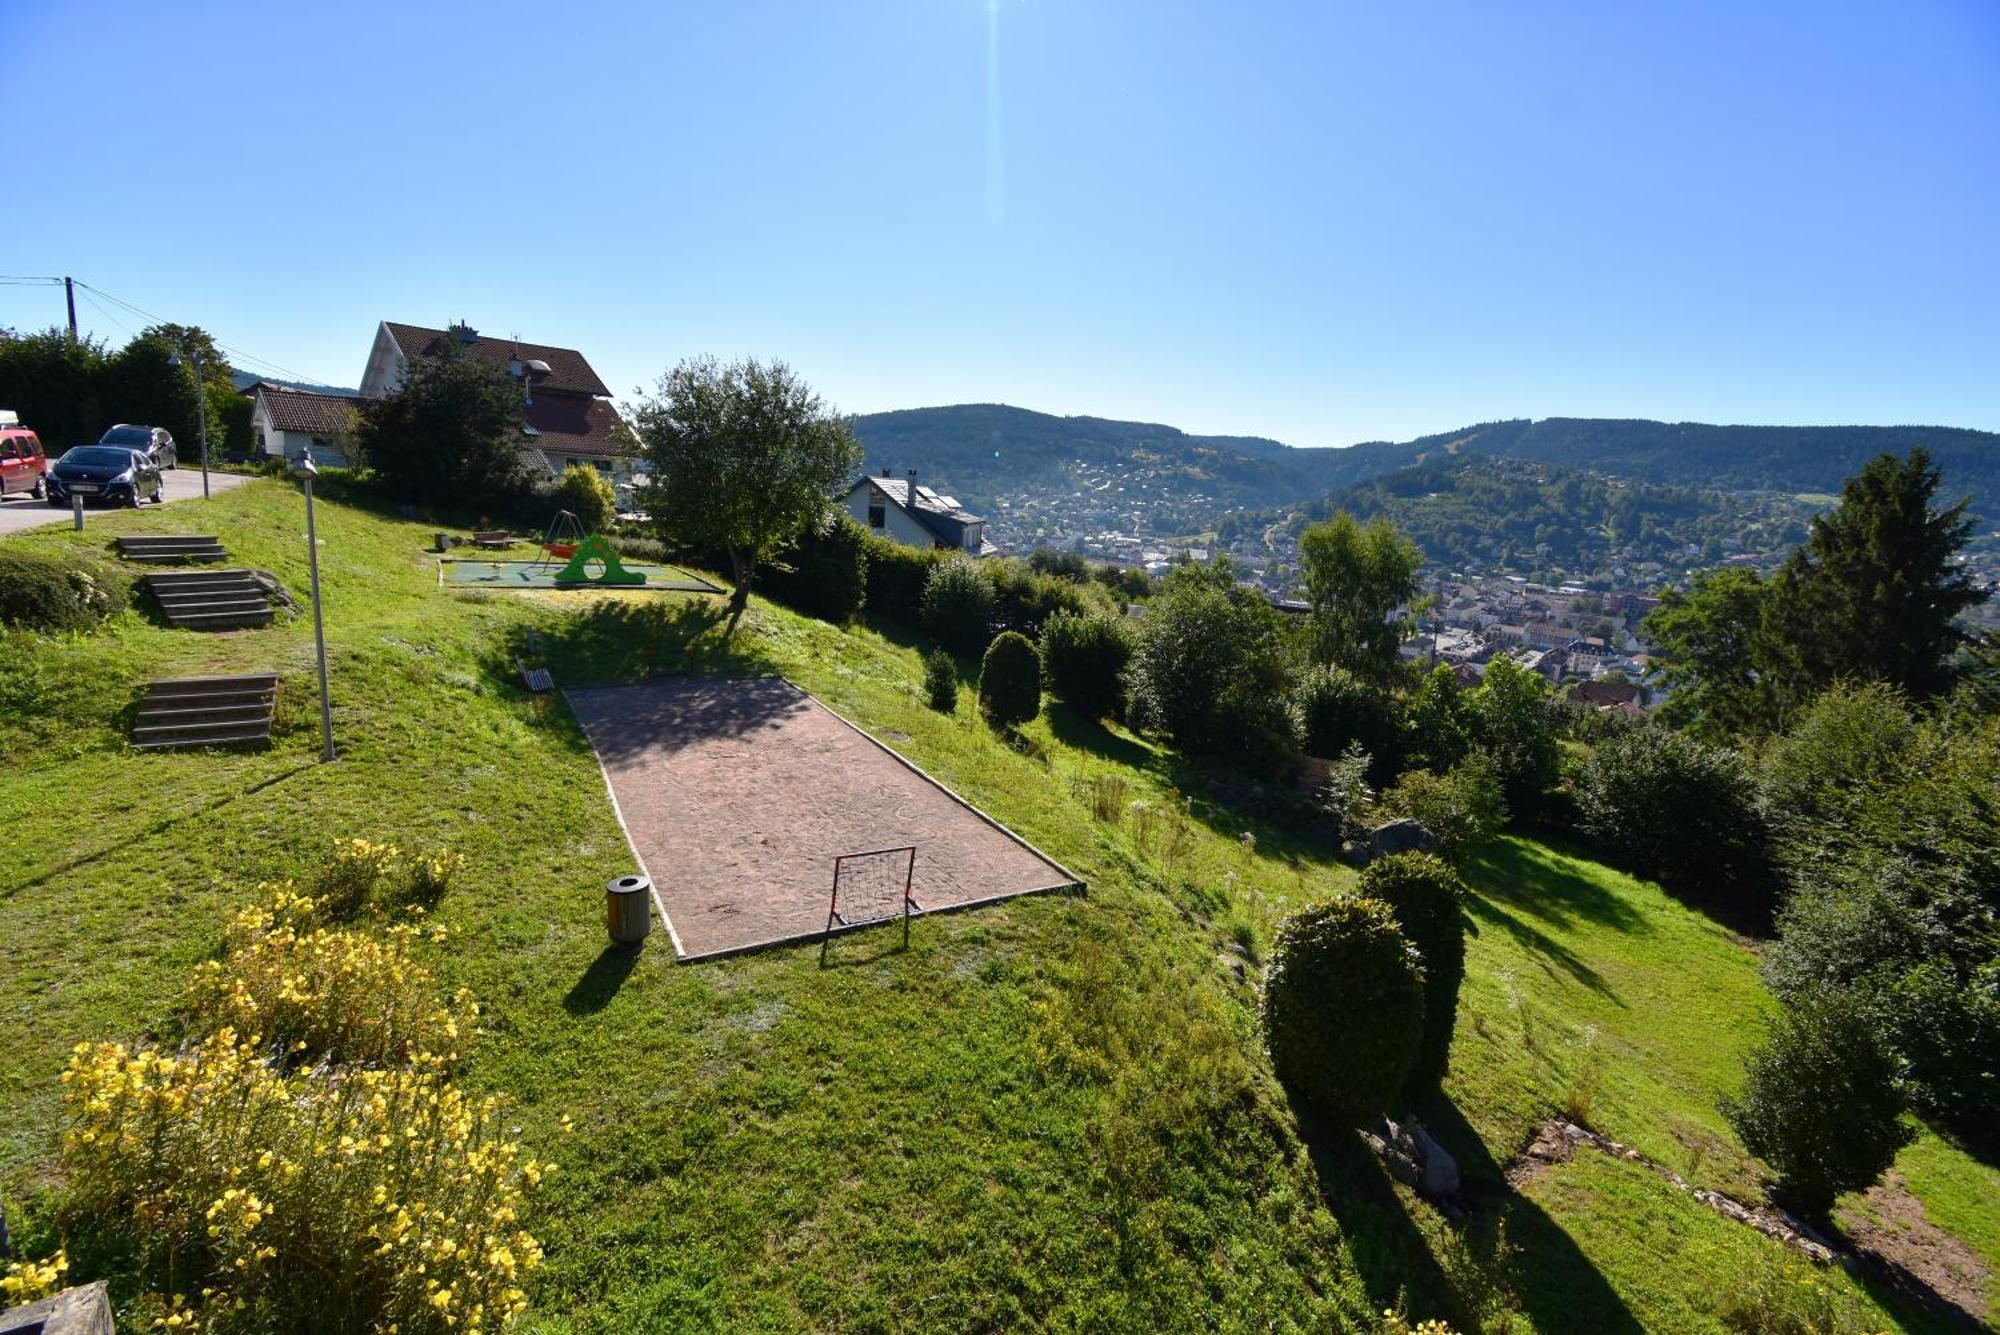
(628, 909)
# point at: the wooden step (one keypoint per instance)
(211, 599)
(156, 739)
(171, 548)
(179, 712)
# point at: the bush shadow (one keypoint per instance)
(1090, 735)
(614, 640)
(1483, 910)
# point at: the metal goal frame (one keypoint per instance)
(910, 904)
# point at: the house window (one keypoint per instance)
(877, 516)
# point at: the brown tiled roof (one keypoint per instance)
(568, 371)
(566, 424)
(301, 410)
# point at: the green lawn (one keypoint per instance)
(1048, 1113)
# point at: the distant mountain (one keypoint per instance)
(1173, 481)
(245, 379)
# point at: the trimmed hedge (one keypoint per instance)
(1332, 708)
(1344, 1009)
(896, 578)
(58, 591)
(1428, 900)
(1010, 681)
(825, 575)
(1024, 599)
(1663, 805)
(958, 606)
(1083, 661)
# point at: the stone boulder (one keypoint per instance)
(84, 1310)
(1400, 836)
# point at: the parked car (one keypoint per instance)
(109, 473)
(155, 441)
(22, 463)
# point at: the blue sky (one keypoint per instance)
(1322, 222)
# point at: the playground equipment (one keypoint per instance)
(561, 539)
(610, 570)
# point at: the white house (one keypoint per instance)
(285, 421)
(884, 505)
(570, 420)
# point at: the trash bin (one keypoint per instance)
(628, 909)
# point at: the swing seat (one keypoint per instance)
(563, 549)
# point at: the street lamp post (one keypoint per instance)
(303, 468)
(201, 413)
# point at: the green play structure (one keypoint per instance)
(610, 569)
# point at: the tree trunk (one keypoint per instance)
(744, 568)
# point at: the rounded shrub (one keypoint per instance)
(587, 494)
(1820, 1103)
(1332, 708)
(1344, 1009)
(958, 606)
(1083, 659)
(1667, 806)
(1428, 900)
(940, 681)
(57, 590)
(1010, 680)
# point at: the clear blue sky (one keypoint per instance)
(1321, 222)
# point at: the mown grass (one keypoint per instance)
(1051, 1113)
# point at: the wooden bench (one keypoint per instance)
(493, 538)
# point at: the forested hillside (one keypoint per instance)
(1471, 512)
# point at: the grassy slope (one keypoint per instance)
(1050, 1112)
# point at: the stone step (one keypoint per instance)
(177, 704)
(133, 544)
(246, 711)
(159, 739)
(199, 579)
(224, 620)
(233, 682)
(222, 602)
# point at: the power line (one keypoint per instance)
(101, 310)
(236, 352)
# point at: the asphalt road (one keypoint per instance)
(183, 483)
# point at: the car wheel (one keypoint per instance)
(41, 490)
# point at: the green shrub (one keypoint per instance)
(1514, 722)
(896, 578)
(1344, 1009)
(1010, 680)
(42, 590)
(1332, 708)
(1428, 900)
(1848, 741)
(1063, 565)
(958, 605)
(1666, 806)
(1463, 808)
(1024, 599)
(826, 574)
(1821, 1103)
(1438, 724)
(1208, 671)
(940, 681)
(1345, 795)
(587, 494)
(1084, 659)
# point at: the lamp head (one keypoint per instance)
(302, 465)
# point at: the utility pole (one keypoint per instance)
(69, 291)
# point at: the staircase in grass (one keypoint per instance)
(206, 711)
(171, 548)
(211, 599)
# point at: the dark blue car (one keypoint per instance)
(107, 473)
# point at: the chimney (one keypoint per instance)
(913, 488)
(465, 332)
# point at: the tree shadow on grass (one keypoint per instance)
(613, 640)
(607, 973)
(1532, 877)
(1082, 734)
(1483, 910)
(1520, 1243)
(1540, 1265)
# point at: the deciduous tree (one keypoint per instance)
(1356, 576)
(742, 458)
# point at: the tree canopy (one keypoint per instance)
(450, 436)
(1356, 576)
(743, 459)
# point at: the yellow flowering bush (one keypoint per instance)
(30, 1281)
(1395, 1323)
(328, 1197)
(349, 876)
(320, 993)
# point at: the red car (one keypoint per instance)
(22, 463)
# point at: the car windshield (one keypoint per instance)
(97, 456)
(128, 435)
